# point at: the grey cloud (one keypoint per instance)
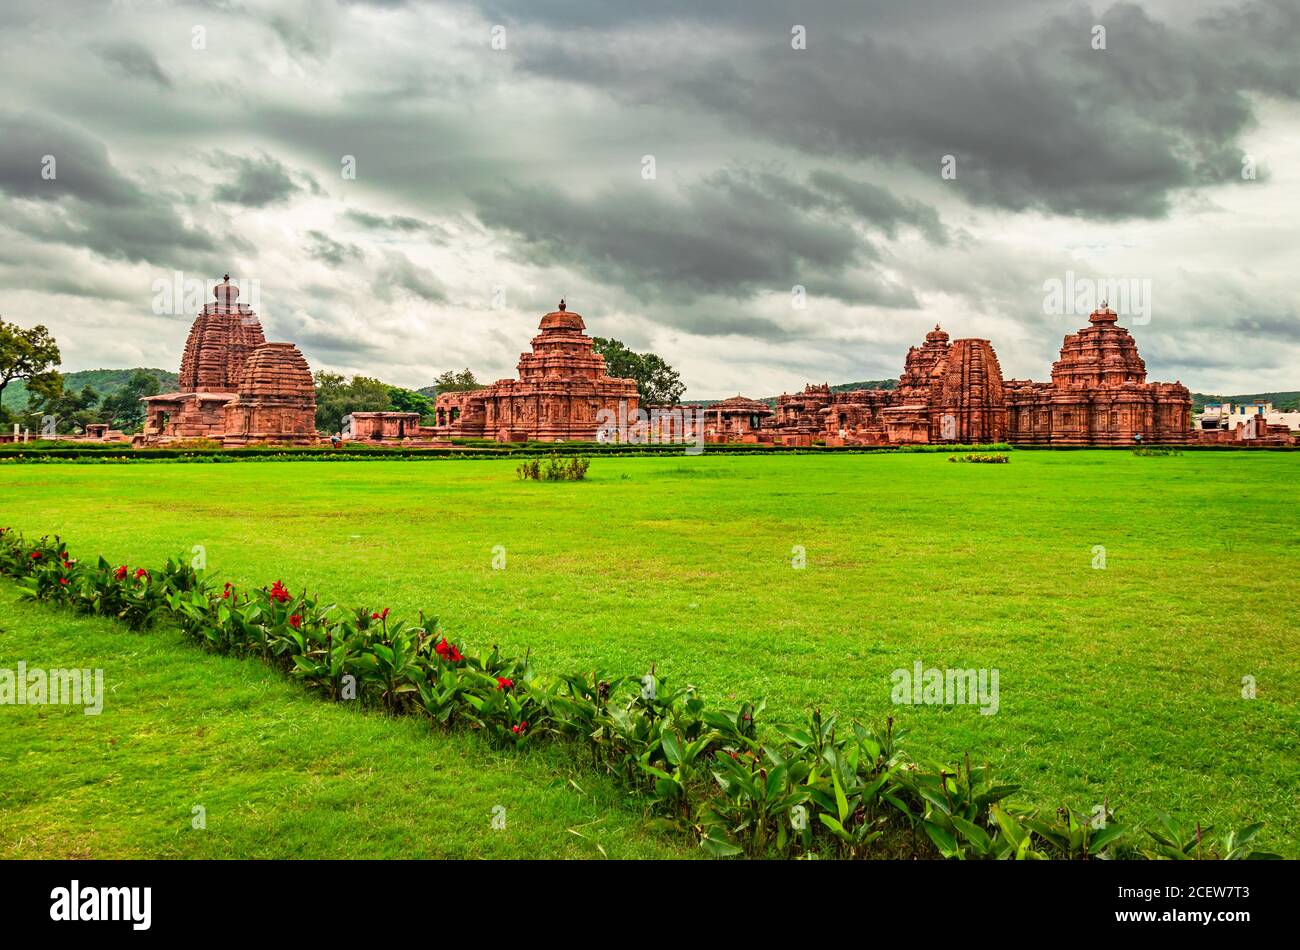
(134, 60)
(400, 273)
(1038, 121)
(1283, 327)
(735, 233)
(259, 180)
(82, 167)
(322, 247)
(398, 223)
(90, 204)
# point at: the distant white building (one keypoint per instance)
(1226, 415)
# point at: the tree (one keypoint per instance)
(404, 400)
(123, 408)
(452, 382)
(337, 396)
(26, 354)
(656, 381)
(48, 397)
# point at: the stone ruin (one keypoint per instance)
(952, 391)
(731, 420)
(561, 390)
(235, 388)
(1099, 395)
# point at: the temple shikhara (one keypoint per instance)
(235, 388)
(561, 389)
(953, 391)
(238, 389)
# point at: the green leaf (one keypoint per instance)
(945, 842)
(672, 747)
(972, 833)
(841, 803)
(1103, 837)
(836, 828)
(717, 848)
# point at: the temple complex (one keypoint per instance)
(953, 391)
(235, 388)
(238, 389)
(561, 389)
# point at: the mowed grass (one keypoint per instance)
(277, 773)
(1122, 683)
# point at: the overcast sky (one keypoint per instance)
(675, 169)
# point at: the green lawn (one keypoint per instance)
(1122, 683)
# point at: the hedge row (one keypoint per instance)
(817, 789)
(119, 455)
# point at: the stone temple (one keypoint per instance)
(235, 388)
(561, 389)
(1098, 395)
(953, 391)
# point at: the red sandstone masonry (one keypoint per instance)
(234, 386)
(561, 389)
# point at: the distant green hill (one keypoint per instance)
(102, 381)
(1284, 400)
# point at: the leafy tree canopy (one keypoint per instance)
(337, 396)
(70, 410)
(122, 408)
(26, 354)
(656, 381)
(453, 382)
(406, 400)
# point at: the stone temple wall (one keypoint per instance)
(234, 386)
(953, 391)
(276, 401)
(562, 388)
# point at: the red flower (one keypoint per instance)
(36, 555)
(63, 581)
(295, 621)
(504, 683)
(225, 594)
(141, 572)
(519, 729)
(279, 594)
(448, 651)
(378, 616)
(120, 573)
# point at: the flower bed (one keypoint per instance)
(820, 788)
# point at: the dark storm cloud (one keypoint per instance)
(745, 15)
(1282, 327)
(134, 60)
(878, 206)
(735, 233)
(400, 274)
(397, 223)
(259, 180)
(1038, 120)
(81, 166)
(322, 247)
(89, 203)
